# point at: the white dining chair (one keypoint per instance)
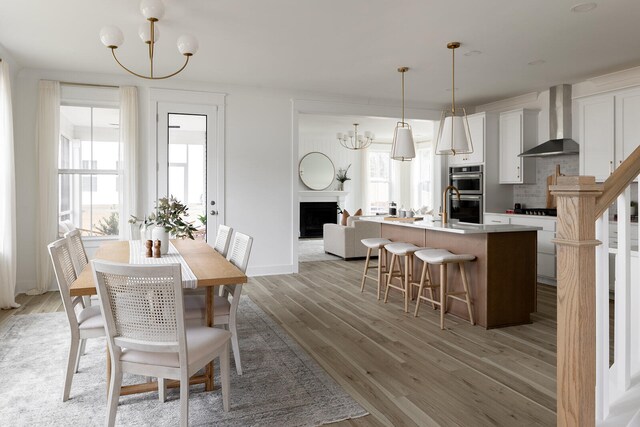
(225, 305)
(223, 238)
(78, 252)
(84, 323)
(80, 260)
(144, 319)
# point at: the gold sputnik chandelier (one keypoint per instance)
(153, 11)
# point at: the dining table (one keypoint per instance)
(209, 269)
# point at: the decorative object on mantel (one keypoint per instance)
(342, 177)
(454, 136)
(149, 248)
(153, 10)
(403, 148)
(355, 141)
(168, 218)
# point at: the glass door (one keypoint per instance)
(187, 164)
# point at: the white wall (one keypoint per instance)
(259, 169)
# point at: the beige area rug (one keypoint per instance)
(310, 250)
(281, 386)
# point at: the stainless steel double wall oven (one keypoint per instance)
(469, 181)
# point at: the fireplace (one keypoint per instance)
(313, 215)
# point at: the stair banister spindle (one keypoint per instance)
(602, 317)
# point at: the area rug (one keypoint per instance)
(310, 250)
(281, 385)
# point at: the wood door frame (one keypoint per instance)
(212, 99)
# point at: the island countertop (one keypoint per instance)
(456, 227)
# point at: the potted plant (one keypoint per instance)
(168, 218)
(342, 177)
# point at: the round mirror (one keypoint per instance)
(316, 171)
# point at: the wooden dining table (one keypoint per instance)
(209, 267)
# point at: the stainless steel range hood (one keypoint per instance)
(560, 141)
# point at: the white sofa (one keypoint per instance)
(344, 241)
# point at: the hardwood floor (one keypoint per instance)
(405, 371)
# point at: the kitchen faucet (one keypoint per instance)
(444, 201)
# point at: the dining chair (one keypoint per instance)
(84, 323)
(225, 305)
(223, 238)
(143, 315)
(78, 253)
(80, 259)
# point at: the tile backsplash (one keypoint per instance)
(535, 195)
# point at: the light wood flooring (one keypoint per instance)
(405, 371)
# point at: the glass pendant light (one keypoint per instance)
(454, 136)
(403, 148)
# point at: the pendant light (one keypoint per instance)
(454, 136)
(403, 148)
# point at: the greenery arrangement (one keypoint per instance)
(109, 226)
(341, 176)
(170, 214)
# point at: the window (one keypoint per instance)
(88, 169)
(422, 176)
(378, 180)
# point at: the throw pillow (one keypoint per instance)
(345, 215)
(358, 213)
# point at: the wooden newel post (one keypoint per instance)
(576, 341)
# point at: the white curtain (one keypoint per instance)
(47, 141)
(7, 195)
(128, 157)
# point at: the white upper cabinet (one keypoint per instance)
(596, 133)
(608, 130)
(477, 123)
(627, 123)
(518, 132)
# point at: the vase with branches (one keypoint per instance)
(341, 177)
(168, 218)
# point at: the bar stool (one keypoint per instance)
(443, 258)
(371, 244)
(398, 250)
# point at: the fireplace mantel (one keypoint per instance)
(323, 196)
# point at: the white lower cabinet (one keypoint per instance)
(546, 252)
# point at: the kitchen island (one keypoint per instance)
(502, 280)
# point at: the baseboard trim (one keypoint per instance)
(270, 270)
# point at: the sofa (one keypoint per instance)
(344, 240)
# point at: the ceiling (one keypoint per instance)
(322, 126)
(346, 47)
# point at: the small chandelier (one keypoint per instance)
(152, 10)
(454, 136)
(355, 141)
(403, 148)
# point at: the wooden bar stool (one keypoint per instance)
(371, 244)
(443, 258)
(398, 250)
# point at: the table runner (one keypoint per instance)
(137, 256)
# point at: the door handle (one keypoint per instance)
(213, 202)
(212, 212)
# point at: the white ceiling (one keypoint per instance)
(347, 47)
(319, 126)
